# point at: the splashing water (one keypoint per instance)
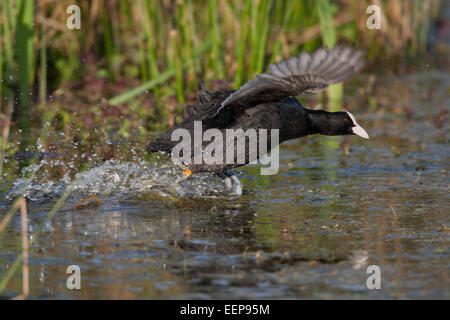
(114, 179)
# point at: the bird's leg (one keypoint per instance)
(186, 174)
(226, 179)
(237, 186)
(231, 181)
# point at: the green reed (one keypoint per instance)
(1, 69)
(176, 63)
(216, 56)
(147, 16)
(241, 48)
(25, 62)
(186, 27)
(335, 92)
(43, 73)
(158, 40)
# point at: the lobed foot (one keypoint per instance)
(231, 181)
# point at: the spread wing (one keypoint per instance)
(305, 73)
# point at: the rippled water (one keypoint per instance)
(338, 205)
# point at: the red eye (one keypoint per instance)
(346, 120)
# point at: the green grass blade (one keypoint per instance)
(163, 77)
(216, 48)
(24, 53)
(326, 23)
(108, 43)
(335, 92)
(147, 18)
(1, 69)
(177, 64)
(264, 29)
(241, 48)
(8, 35)
(43, 75)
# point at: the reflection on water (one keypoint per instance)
(308, 232)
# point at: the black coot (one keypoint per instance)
(267, 102)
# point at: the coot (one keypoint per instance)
(267, 102)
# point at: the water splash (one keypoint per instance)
(114, 179)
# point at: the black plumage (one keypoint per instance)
(267, 102)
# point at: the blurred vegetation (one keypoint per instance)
(135, 63)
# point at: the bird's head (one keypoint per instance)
(352, 127)
(335, 123)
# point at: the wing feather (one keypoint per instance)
(305, 73)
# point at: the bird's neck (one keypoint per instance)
(299, 122)
(294, 121)
(322, 122)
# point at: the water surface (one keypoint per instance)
(337, 205)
